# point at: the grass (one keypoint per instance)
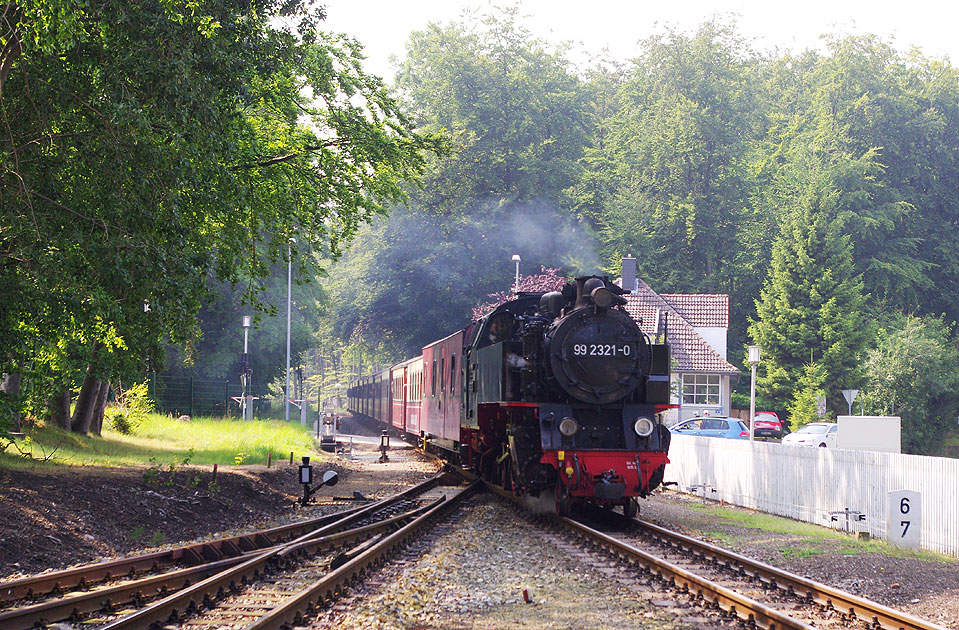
(804, 552)
(769, 523)
(814, 538)
(162, 439)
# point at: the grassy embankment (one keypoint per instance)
(160, 440)
(807, 539)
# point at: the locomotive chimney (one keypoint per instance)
(629, 274)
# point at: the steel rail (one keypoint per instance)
(847, 604)
(744, 607)
(826, 596)
(191, 597)
(138, 591)
(325, 589)
(109, 598)
(190, 555)
(187, 555)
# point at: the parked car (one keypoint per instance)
(713, 426)
(814, 434)
(767, 424)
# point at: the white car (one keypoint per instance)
(814, 434)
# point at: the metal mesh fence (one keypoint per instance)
(201, 397)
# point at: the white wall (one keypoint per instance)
(807, 483)
(870, 433)
(715, 336)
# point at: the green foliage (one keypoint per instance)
(130, 408)
(516, 114)
(678, 147)
(156, 539)
(811, 308)
(912, 372)
(153, 473)
(810, 388)
(154, 146)
(514, 110)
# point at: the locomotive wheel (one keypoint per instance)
(630, 509)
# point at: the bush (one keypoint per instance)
(120, 421)
(131, 407)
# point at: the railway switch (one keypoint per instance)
(306, 478)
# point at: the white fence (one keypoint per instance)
(807, 483)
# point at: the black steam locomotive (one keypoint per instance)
(558, 392)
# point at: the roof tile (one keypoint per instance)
(688, 349)
(702, 310)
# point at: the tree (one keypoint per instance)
(150, 146)
(516, 114)
(912, 373)
(678, 149)
(214, 355)
(885, 124)
(515, 110)
(811, 307)
(803, 408)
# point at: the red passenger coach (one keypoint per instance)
(442, 400)
(405, 395)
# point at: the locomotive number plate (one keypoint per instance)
(602, 350)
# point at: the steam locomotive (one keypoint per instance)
(558, 393)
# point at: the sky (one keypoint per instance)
(383, 26)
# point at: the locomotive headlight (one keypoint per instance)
(643, 426)
(568, 427)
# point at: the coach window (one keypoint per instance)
(700, 389)
(452, 372)
(433, 380)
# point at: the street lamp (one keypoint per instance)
(516, 259)
(245, 365)
(753, 360)
(289, 288)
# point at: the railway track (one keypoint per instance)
(307, 551)
(773, 587)
(743, 589)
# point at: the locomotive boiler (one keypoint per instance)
(557, 394)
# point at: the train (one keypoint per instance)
(557, 395)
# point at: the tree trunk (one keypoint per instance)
(87, 398)
(59, 406)
(11, 387)
(97, 424)
(86, 401)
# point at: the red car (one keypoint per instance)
(767, 424)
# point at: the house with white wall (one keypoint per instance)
(696, 328)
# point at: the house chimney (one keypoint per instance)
(629, 274)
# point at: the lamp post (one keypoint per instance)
(245, 365)
(289, 288)
(516, 259)
(753, 360)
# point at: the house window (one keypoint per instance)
(700, 389)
